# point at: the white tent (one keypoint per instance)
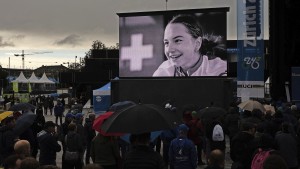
(33, 78)
(44, 79)
(21, 79)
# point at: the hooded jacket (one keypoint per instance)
(48, 148)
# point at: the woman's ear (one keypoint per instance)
(198, 43)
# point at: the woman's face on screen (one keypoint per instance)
(180, 47)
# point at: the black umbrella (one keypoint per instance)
(210, 113)
(22, 106)
(141, 118)
(121, 105)
(64, 95)
(24, 122)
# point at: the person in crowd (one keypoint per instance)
(8, 137)
(243, 146)
(231, 121)
(49, 146)
(287, 144)
(51, 104)
(216, 160)
(189, 51)
(58, 112)
(215, 136)
(22, 148)
(37, 126)
(274, 161)
(80, 130)
(182, 152)
(46, 104)
(141, 155)
(196, 134)
(105, 151)
(12, 162)
(90, 134)
(167, 136)
(73, 143)
(29, 163)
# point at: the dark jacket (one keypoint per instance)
(59, 110)
(242, 148)
(89, 131)
(48, 148)
(143, 157)
(8, 139)
(74, 142)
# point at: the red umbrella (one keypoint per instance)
(99, 121)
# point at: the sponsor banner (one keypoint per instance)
(251, 89)
(250, 44)
(295, 84)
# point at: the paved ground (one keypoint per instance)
(228, 161)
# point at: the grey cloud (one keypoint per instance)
(72, 40)
(5, 43)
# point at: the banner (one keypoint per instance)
(295, 84)
(15, 87)
(250, 44)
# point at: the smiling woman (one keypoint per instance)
(189, 51)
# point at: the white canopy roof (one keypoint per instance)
(33, 79)
(21, 79)
(44, 79)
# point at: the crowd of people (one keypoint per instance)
(196, 142)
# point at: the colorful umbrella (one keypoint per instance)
(99, 121)
(5, 114)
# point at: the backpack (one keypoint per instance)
(259, 158)
(218, 134)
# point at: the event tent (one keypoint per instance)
(21, 79)
(44, 79)
(101, 98)
(33, 78)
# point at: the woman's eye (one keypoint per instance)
(178, 40)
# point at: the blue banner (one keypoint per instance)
(296, 84)
(250, 45)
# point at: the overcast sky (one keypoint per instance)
(67, 28)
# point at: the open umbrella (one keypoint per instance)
(211, 113)
(251, 105)
(21, 107)
(24, 122)
(141, 118)
(5, 114)
(64, 95)
(120, 105)
(153, 136)
(99, 121)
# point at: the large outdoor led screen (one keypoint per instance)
(173, 43)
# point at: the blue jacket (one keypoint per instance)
(182, 154)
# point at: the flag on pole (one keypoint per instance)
(15, 87)
(29, 88)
